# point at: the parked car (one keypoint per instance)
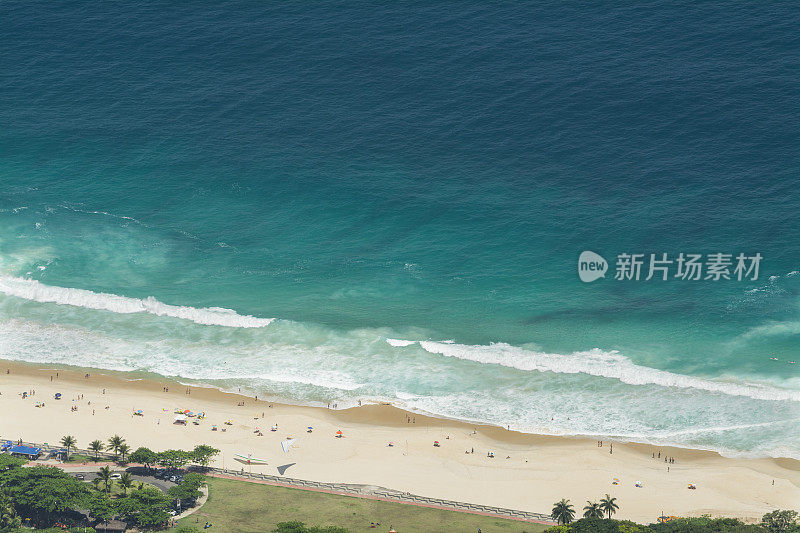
(116, 475)
(80, 476)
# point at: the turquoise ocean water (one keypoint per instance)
(343, 201)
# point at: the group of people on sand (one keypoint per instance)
(670, 460)
(610, 447)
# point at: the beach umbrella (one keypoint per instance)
(286, 444)
(339, 433)
(310, 429)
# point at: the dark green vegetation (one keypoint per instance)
(774, 522)
(45, 496)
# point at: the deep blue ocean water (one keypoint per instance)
(406, 191)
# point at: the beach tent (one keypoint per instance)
(181, 419)
(27, 451)
(286, 444)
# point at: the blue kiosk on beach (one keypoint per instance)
(26, 451)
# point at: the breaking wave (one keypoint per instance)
(600, 363)
(211, 316)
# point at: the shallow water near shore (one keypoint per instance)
(389, 206)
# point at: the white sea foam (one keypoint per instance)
(600, 363)
(33, 290)
(772, 329)
(397, 342)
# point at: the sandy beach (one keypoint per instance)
(528, 472)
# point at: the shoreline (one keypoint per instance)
(554, 466)
(501, 433)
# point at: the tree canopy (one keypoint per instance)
(41, 493)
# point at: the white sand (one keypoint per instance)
(541, 470)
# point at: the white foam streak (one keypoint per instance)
(599, 363)
(212, 316)
(398, 343)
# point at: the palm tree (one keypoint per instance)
(563, 513)
(123, 450)
(592, 510)
(68, 442)
(105, 476)
(114, 443)
(96, 446)
(126, 482)
(609, 505)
